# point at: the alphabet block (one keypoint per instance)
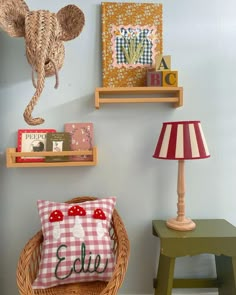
(154, 78)
(163, 62)
(170, 78)
(162, 78)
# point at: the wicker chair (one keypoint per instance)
(28, 263)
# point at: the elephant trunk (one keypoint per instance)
(30, 107)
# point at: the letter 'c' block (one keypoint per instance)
(170, 78)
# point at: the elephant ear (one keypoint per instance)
(71, 19)
(12, 17)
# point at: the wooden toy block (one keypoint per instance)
(154, 78)
(170, 78)
(163, 62)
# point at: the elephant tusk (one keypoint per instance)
(56, 74)
(33, 80)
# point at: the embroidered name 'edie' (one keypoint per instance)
(79, 264)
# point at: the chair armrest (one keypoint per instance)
(28, 264)
(122, 256)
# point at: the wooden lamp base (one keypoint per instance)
(184, 225)
(181, 223)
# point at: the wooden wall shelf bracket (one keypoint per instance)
(139, 95)
(11, 156)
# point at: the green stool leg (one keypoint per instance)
(226, 274)
(165, 275)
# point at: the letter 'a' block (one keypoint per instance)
(154, 78)
(170, 78)
(163, 62)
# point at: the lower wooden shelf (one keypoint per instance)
(139, 95)
(12, 154)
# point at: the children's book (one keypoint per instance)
(82, 138)
(58, 142)
(32, 140)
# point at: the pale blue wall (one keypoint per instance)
(201, 38)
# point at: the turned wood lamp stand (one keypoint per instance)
(182, 140)
(181, 222)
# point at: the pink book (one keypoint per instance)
(82, 138)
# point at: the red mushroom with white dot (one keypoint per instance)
(77, 212)
(55, 218)
(99, 215)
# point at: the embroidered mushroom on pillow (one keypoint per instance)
(56, 217)
(77, 246)
(77, 211)
(99, 215)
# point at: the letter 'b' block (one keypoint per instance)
(154, 78)
(170, 78)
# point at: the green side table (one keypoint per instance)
(212, 236)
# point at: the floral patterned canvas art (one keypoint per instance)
(131, 39)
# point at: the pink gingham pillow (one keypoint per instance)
(77, 246)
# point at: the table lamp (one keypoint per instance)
(182, 140)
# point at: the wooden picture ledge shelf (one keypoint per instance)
(11, 155)
(139, 95)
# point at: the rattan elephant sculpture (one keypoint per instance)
(44, 33)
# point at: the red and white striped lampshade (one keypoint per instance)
(181, 140)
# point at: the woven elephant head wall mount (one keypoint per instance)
(44, 33)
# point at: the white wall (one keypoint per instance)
(201, 38)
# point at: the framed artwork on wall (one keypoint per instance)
(131, 39)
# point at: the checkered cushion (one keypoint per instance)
(77, 246)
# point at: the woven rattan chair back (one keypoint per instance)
(29, 259)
